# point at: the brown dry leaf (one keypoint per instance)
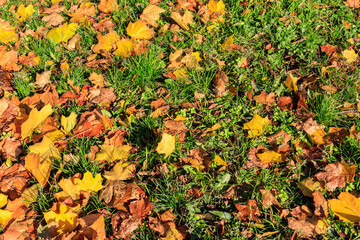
(177, 128)
(115, 137)
(198, 159)
(211, 130)
(54, 19)
(265, 98)
(74, 42)
(43, 79)
(329, 49)
(151, 14)
(321, 205)
(268, 198)
(93, 226)
(104, 97)
(55, 8)
(84, 13)
(187, 4)
(248, 212)
(220, 82)
(161, 108)
(10, 148)
(8, 112)
(139, 30)
(8, 60)
(183, 21)
(346, 207)
(97, 79)
(285, 103)
(121, 171)
(92, 124)
(13, 180)
(108, 6)
(352, 3)
(336, 175)
(20, 229)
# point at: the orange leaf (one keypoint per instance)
(139, 30)
(108, 6)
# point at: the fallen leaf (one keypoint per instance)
(62, 33)
(124, 48)
(219, 160)
(3, 200)
(151, 14)
(111, 153)
(321, 205)
(176, 127)
(268, 198)
(68, 123)
(89, 183)
(308, 186)
(166, 145)
(121, 171)
(346, 207)
(228, 42)
(215, 7)
(74, 42)
(349, 55)
(336, 175)
(257, 125)
(84, 13)
(220, 82)
(7, 32)
(290, 83)
(183, 21)
(8, 60)
(265, 98)
(105, 43)
(248, 212)
(14, 180)
(10, 148)
(43, 78)
(23, 13)
(211, 130)
(108, 6)
(35, 119)
(54, 19)
(64, 216)
(269, 157)
(139, 30)
(39, 169)
(93, 226)
(352, 3)
(291, 18)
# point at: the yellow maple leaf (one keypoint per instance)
(228, 42)
(257, 125)
(68, 123)
(110, 153)
(105, 43)
(350, 55)
(3, 200)
(62, 33)
(5, 216)
(35, 119)
(183, 21)
(290, 83)
(89, 183)
(124, 48)
(151, 14)
(219, 160)
(346, 207)
(197, 56)
(166, 145)
(7, 32)
(63, 216)
(269, 157)
(39, 169)
(108, 6)
(46, 149)
(69, 188)
(309, 186)
(121, 171)
(23, 13)
(139, 30)
(214, 7)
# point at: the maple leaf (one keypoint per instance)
(89, 183)
(183, 21)
(43, 78)
(68, 123)
(228, 42)
(352, 3)
(7, 32)
(54, 19)
(108, 6)
(105, 43)
(349, 55)
(35, 119)
(3, 200)
(121, 171)
(83, 13)
(139, 30)
(110, 153)
(8, 60)
(64, 216)
(336, 175)
(215, 7)
(257, 125)
(166, 145)
(23, 13)
(290, 83)
(124, 48)
(62, 33)
(269, 157)
(151, 14)
(346, 207)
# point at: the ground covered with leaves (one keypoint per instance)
(181, 119)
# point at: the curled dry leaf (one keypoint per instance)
(257, 125)
(183, 21)
(220, 82)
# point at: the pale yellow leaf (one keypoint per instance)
(68, 123)
(35, 119)
(62, 33)
(166, 145)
